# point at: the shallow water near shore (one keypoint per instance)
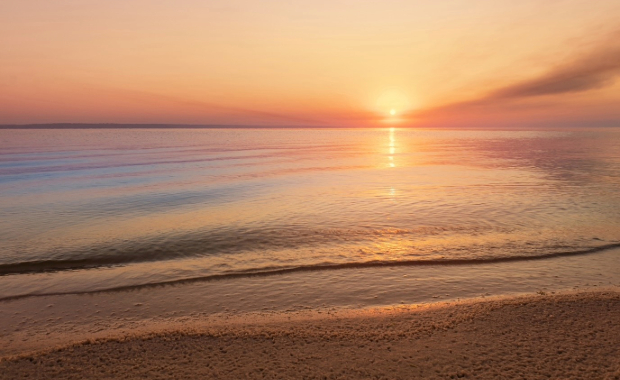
(93, 210)
(39, 323)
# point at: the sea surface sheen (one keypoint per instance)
(84, 210)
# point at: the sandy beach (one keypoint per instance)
(569, 336)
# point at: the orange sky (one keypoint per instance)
(475, 63)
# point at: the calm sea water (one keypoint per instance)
(95, 209)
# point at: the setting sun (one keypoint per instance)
(307, 189)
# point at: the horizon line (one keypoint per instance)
(148, 125)
(250, 126)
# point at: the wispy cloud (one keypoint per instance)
(594, 69)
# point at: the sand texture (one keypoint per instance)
(570, 336)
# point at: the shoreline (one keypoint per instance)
(38, 323)
(570, 334)
(276, 271)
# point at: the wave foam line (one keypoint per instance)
(272, 271)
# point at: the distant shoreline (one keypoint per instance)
(148, 126)
(61, 126)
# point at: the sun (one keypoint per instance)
(392, 112)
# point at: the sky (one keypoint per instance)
(448, 63)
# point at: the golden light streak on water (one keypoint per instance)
(392, 149)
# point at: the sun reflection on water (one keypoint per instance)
(392, 149)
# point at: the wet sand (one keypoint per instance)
(574, 335)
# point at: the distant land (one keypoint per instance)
(519, 126)
(140, 126)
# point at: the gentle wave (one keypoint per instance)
(273, 271)
(214, 243)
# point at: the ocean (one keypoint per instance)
(96, 210)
